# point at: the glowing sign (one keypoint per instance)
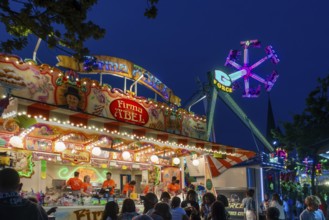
(129, 111)
(76, 156)
(96, 175)
(222, 81)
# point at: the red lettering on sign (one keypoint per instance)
(129, 111)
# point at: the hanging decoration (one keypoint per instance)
(43, 169)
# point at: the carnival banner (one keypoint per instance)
(52, 86)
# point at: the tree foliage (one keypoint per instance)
(57, 22)
(311, 126)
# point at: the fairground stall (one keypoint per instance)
(55, 122)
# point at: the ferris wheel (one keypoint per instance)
(246, 71)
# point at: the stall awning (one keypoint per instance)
(91, 123)
(221, 164)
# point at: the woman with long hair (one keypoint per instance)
(162, 211)
(165, 197)
(111, 211)
(128, 210)
(278, 203)
(217, 211)
(191, 204)
(207, 200)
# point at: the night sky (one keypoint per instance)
(189, 38)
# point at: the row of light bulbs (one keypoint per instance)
(126, 155)
(131, 136)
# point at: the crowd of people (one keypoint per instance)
(14, 206)
(170, 208)
(312, 208)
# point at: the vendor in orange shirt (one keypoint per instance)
(109, 183)
(146, 189)
(74, 183)
(129, 187)
(173, 187)
(86, 187)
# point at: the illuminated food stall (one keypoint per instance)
(55, 122)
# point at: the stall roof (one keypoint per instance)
(88, 123)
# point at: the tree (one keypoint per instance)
(57, 22)
(309, 129)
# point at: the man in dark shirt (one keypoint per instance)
(12, 205)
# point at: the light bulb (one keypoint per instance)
(96, 151)
(126, 155)
(16, 141)
(154, 158)
(60, 146)
(196, 162)
(176, 160)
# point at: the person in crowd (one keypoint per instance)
(109, 183)
(173, 187)
(129, 188)
(286, 207)
(111, 211)
(75, 183)
(266, 203)
(277, 203)
(249, 205)
(128, 210)
(291, 204)
(165, 197)
(217, 211)
(86, 187)
(142, 217)
(207, 200)
(161, 212)
(272, 213)
(149, 201)
(12, 205)
(323, 205)
(224, 200)
(191, 204)
(312, 211)
(176, 211)
(178, 189)
(35, 200)
(191, 186)
(299, 206)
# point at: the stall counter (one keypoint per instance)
(82, 212)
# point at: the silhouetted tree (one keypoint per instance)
(57, 22)
(309, 130)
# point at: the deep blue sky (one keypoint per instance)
(190, 37)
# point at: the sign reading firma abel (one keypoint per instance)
(129, 111)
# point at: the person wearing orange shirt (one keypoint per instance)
(74, 183)
(129, 187)
(86, 187)
(146, 189)
(109, 184)
(177, 184)
(173, 187)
